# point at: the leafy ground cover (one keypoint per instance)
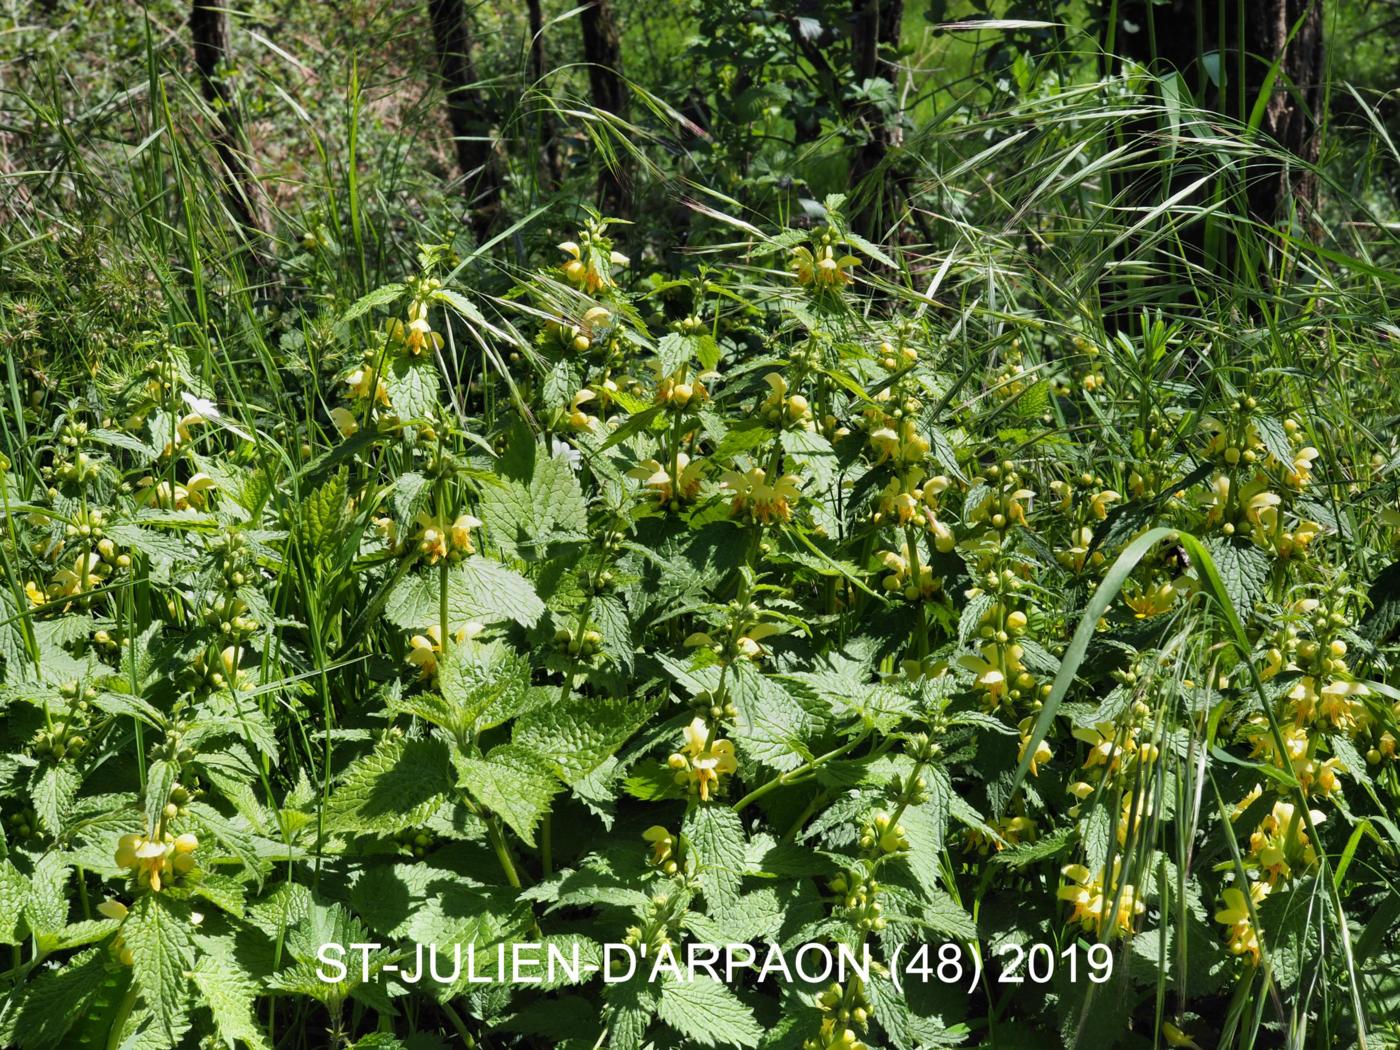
(1023, 586)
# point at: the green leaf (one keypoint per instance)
(577, 735)
(157, 930)
(486, 685)
(14, 894)
(716, 837)
(555, 492)
(1244, 570)
(326, 514)
(707, 1013)
(413, 387)
(512, 782)
(228, 994)
(486, 591)
(53, 791)
(56, 999)
(478, 589)
(379, 297)
(399, 785)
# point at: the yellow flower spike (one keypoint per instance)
(700, 765)
(196, 488)
(990, 677)
(110, 909)
(1300, 470)
(663, 845)
(1101, 502)
(757, 497)
(422, 653)
(460, 533)
(433, 537)
(85, 575)
(578, 418)
(1093, 901)
(126, 850)
(1241, 936)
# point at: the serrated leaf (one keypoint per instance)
(557, 496)
(326, 513)
(478, 590)
(14, 894)
(716, 837)
(413, 387)
(579, 733)
(379, 297)
(52, 793)
(485, 591)
(56, 999)
(399, 785)
(1244, 570)
(228, 994)
(512, 782)
(157, 930)
(707, 1013)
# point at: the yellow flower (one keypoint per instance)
(584, 268)
(701, 761)
(578, 418)
(1299, 471)
(1105, 747)
(663, 846)
(1100, 503)
(363, 382)
(85, 575)
(423, 649)
(899, 578)
(661, 482)
(1281, 841)
(438, 540)
(1241, 936)
(755, 496)
(822, 269)
(195, 490)
(344, 421)
(1042, 753)
(155, 860)
(1153, 601)
(1094, 902)
(460, 533)
(417, 336)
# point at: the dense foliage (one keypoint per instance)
(1018, 579)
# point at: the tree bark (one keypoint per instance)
(1175, 39)
(1294, 106)
(602, 50)
(552, 168)
(210, 37)
(466, 114)
(874, 54)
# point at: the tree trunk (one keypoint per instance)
(466, 114)
(602, 51)
(552, 168)
(1174, 41)
(1293, 109)
(209, 33)
(874, 54)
